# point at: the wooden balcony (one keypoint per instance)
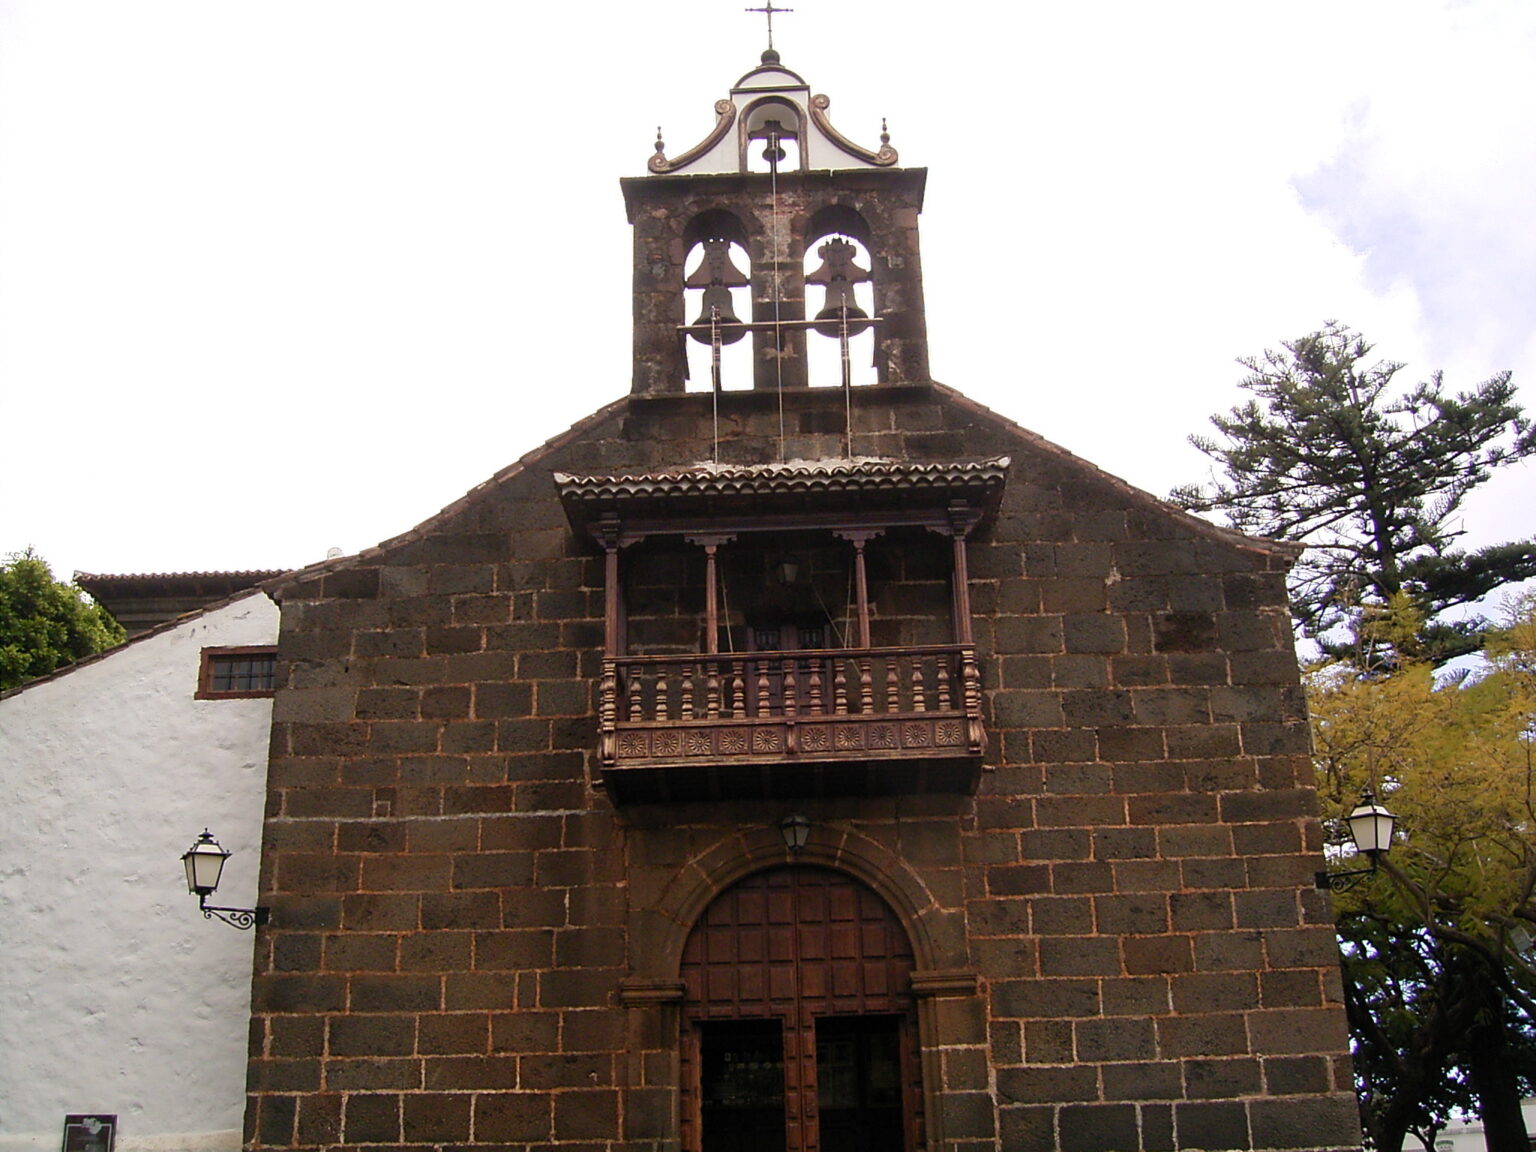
(844, 721)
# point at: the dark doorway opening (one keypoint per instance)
(859, 1083)
(741, 1085)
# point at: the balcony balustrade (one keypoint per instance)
(677, 726)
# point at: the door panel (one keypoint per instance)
(817, 962)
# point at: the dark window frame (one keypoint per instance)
(208, 666)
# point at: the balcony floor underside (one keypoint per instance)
(775, 777)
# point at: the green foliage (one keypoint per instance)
(1439, 966)
(45, 623)
(1328, 453)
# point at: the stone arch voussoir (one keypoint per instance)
(660, 931)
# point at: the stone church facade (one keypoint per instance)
(794, 767)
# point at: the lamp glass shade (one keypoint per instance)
(1371, 825)
(204, 862)
(796, 830)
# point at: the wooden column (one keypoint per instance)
(711, 602)
(961, 519)
(858, 537)
(607, 534)
(711, 544)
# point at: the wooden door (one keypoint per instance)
(798, 1002)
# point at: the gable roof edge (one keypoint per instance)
(159, 629)
(1285, 552)
(276, 587)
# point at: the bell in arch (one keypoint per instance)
(717, 274)
(838, 274)
(773, 133)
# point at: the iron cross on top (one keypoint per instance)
(768, 10)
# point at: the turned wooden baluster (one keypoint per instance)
(738, 691)
(661, 692)
(712, 690)
(919, 689)
(791, 687)
(608, 711)
(892, 686)
(685, 708)
(970, 686)
(944, 682)
(840, 687)
(763, 684)
(632, 687)
(815, 670)
(866, 687)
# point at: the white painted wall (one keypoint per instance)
(1468, 1137)
(116, 996)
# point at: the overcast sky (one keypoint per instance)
(282, 276)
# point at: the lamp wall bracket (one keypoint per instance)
(242, 918)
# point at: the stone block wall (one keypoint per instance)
(1118, 944)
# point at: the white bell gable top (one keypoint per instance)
(771, 93)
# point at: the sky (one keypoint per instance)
(282, 277)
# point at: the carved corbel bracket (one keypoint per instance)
(606, 531)
(963, 518)
(858, 536)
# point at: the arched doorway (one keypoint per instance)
(799, 1032)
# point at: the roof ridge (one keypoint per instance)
(264, 573)
(163, 627)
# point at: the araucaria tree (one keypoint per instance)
(1328, 453)
(45, 623)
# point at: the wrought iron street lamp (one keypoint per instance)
(204, 862)
(1370, 826)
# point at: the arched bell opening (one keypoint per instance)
(840, 298)
(717, 301)
(799, 1025)
(771, 137)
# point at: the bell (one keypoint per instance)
(717, 275)
(829, 321)
(773, 131)
(717, 309)
(838, 274)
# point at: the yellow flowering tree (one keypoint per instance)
(1440, 983)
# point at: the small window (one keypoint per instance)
(237, 673)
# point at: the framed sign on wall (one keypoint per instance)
(89, 1133)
